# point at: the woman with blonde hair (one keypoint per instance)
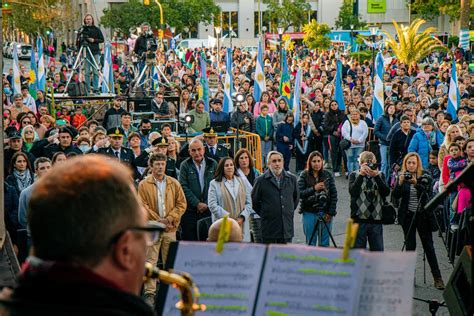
(412, 188)
(29, 136)
(355, 131)
(451, 133)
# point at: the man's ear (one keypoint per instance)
(122, 252)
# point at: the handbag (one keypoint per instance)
(345, 144)
(389, 214)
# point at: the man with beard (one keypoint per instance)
(275, 197)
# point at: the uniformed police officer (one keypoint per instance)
(213, 149)
(159, 145)
(116, 149)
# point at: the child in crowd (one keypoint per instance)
(433, 169)
(456, 165)
(78, 119)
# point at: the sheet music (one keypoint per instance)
(303, 280)
(228, 282)
(387, 287)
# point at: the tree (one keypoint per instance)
(38, 16)
(410, 45)
(429, 9)
(315, 35)
(287, 13)
(180, 14)
(347, 18)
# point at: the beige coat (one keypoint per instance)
(175, 203)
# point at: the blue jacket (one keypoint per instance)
(264, 126)
(285, 129)
(382, 127)
(420, 144)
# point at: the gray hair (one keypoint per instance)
(18, 96)
(274, 152)
(428, 121)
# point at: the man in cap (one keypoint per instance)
(112, 117)
(158, 146)
(60, 142)
(213, 149)
(15, 144)
(219, 119)
(116, 149)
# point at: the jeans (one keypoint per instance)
(353, 158)
(267, 146)
(373, 233)
(426, 236)
(385, 167)
(87, 71)
(335, 156)
(326, 148)
(322, 234)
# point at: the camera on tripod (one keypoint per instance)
(151, 47)
(318, 200)
(82, 35)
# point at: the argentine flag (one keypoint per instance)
(16, 70)
(155, 78)
(378, 102)
(297, 97)
(228, 104)
(204, 82)
(259, 80)
(338, 94)
(108, 83)
(454, 95)
(41, 78)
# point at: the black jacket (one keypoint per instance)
(43, 148)
(276, 204)
(95, 33)
(11, 197)
(331, 121)
(402, 192)
(70, 292)
(399, 146)
(307, 191)
(220, 153)
(237, 119)
(141, 44)
(142, 161)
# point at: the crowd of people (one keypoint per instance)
(416, 148)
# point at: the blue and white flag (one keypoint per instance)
(108, 83)
(464, 39)
(41, 78)
(155, 77)
(204, 93)
(297, 97)
(338, 93)
(228, 104)
(259, 80)
(378, 100)
(453, 96)
(16, 70)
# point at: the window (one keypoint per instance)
(230, 19)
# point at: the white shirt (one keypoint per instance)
(161, 190)
(201, 172)
(359, 132)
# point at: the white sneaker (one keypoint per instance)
(337, 174)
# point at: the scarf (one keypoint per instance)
(23, 179)
(233, 207)
(303, 148)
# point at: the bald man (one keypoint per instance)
(235, 233)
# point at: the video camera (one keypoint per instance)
(82, 35)
(318, 200)
(151, 46)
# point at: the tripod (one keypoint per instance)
(318, 222)
(434, 305)
(145, 78)
(82, 57)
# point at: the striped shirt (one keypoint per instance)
(413, 200)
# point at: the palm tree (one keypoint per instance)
(410, 45)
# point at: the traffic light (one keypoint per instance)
(6, 9)
(146, 2)
(160, 34)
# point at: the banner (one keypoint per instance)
(376, 6)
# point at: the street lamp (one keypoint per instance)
(264, 32)
(352, 34)
(172, 29)
(186, 30)
(218, 31)
(373, 29)
(230, 35)
(280, 34)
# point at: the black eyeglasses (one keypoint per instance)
(152, 230)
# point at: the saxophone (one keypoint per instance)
(189, 292)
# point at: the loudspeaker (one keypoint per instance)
(458, 292)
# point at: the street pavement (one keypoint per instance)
(393, 241)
